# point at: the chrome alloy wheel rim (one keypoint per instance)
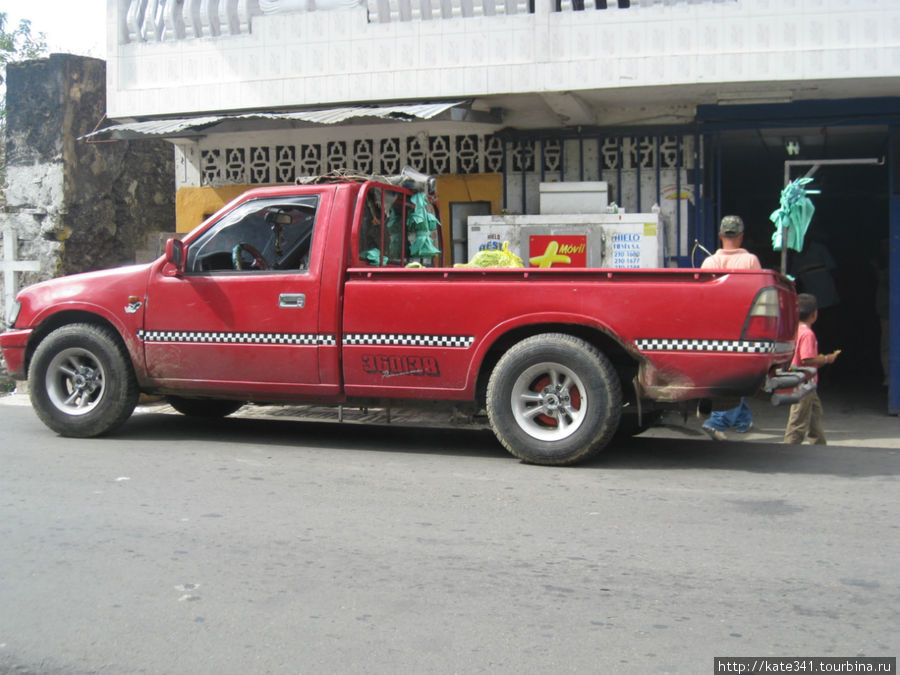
(75, 381)
(549, 401)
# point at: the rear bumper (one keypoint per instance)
(13, 344)
(789, 386)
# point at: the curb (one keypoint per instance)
(847, 423)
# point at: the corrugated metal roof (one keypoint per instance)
(193, 126)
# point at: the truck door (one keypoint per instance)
(244, 316)
(396, 337)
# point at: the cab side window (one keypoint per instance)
(380, 235)
(273, 234)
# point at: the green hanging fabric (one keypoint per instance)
(793, 215)
(422, 223)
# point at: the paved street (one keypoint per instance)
(273, 546)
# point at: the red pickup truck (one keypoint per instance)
(305, 294)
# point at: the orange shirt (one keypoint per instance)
(731, 259)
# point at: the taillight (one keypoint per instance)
(763, 318)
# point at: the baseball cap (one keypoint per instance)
(731, 226)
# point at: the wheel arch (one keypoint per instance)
(68, 317)
(625, 363)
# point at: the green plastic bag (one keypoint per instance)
(372, 256)
(422, 222)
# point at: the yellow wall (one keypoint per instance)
(479, 187)
(193, 205)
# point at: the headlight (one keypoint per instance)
(13, 313)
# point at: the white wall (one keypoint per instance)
(326, 57)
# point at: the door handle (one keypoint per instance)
(292, 300)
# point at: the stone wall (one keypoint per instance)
(75, 205)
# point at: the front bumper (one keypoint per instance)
(13, 344)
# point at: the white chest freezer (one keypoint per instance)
(614, 240)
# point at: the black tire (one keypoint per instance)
(203, 407)
(554, 399)
(81, 381)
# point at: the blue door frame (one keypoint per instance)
(894, 273)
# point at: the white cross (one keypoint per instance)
(9, 266)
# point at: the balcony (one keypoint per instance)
(161, 20)
(188, 57)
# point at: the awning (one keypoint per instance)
(192, 127)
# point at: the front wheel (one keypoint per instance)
(81, 381)
(554, 399)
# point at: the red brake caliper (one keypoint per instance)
(575, 402)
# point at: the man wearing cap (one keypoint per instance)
(730, 257)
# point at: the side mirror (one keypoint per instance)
(174, 258)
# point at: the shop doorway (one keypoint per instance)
(461, 196)
(845, 250)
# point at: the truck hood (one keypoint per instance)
(101, 290)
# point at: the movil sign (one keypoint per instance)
(549, 250)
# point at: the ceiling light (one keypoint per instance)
(792, 146)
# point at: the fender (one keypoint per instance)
(117, 296)
(495, 335)
(126, 330)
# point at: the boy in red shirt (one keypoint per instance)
(806, 414)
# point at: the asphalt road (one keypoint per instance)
(261, 546)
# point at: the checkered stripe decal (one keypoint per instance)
(382, 339)
(236, 338)
(669, 345)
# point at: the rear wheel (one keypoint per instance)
(203, 407)
(554, 399)
(81, 381)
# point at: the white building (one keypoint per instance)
(692, 105)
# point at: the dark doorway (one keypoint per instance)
(459, 226)
(845, 239)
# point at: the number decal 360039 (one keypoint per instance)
(392, 366)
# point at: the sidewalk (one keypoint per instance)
(852, 419)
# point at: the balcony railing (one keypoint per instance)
(387, 11)
(167, 20)
(158, 20)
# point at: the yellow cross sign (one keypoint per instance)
(550, 256)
